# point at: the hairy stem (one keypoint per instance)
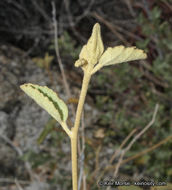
(74, 136)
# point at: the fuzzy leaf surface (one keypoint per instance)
(47, 99)
(120, 54)
(92, 51)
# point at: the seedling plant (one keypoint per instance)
(91, 59)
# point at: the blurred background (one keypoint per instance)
(35, 36)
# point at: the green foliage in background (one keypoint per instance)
(67, 46)
(129, 100)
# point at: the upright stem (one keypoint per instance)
(74, 135)
(74, 163)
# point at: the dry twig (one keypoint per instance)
(123, 152)
(18, 185)
(58, 55)
(117, 152)
(147, 150)
(71, 22)
(135, 139)
(116, 29)
(111, 27)
(130, 8)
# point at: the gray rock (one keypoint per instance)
(38, 186)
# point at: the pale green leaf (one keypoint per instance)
(119, 54)
(92, 51)
(48, 100)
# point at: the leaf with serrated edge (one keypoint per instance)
(119, 54)
(48, 100)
